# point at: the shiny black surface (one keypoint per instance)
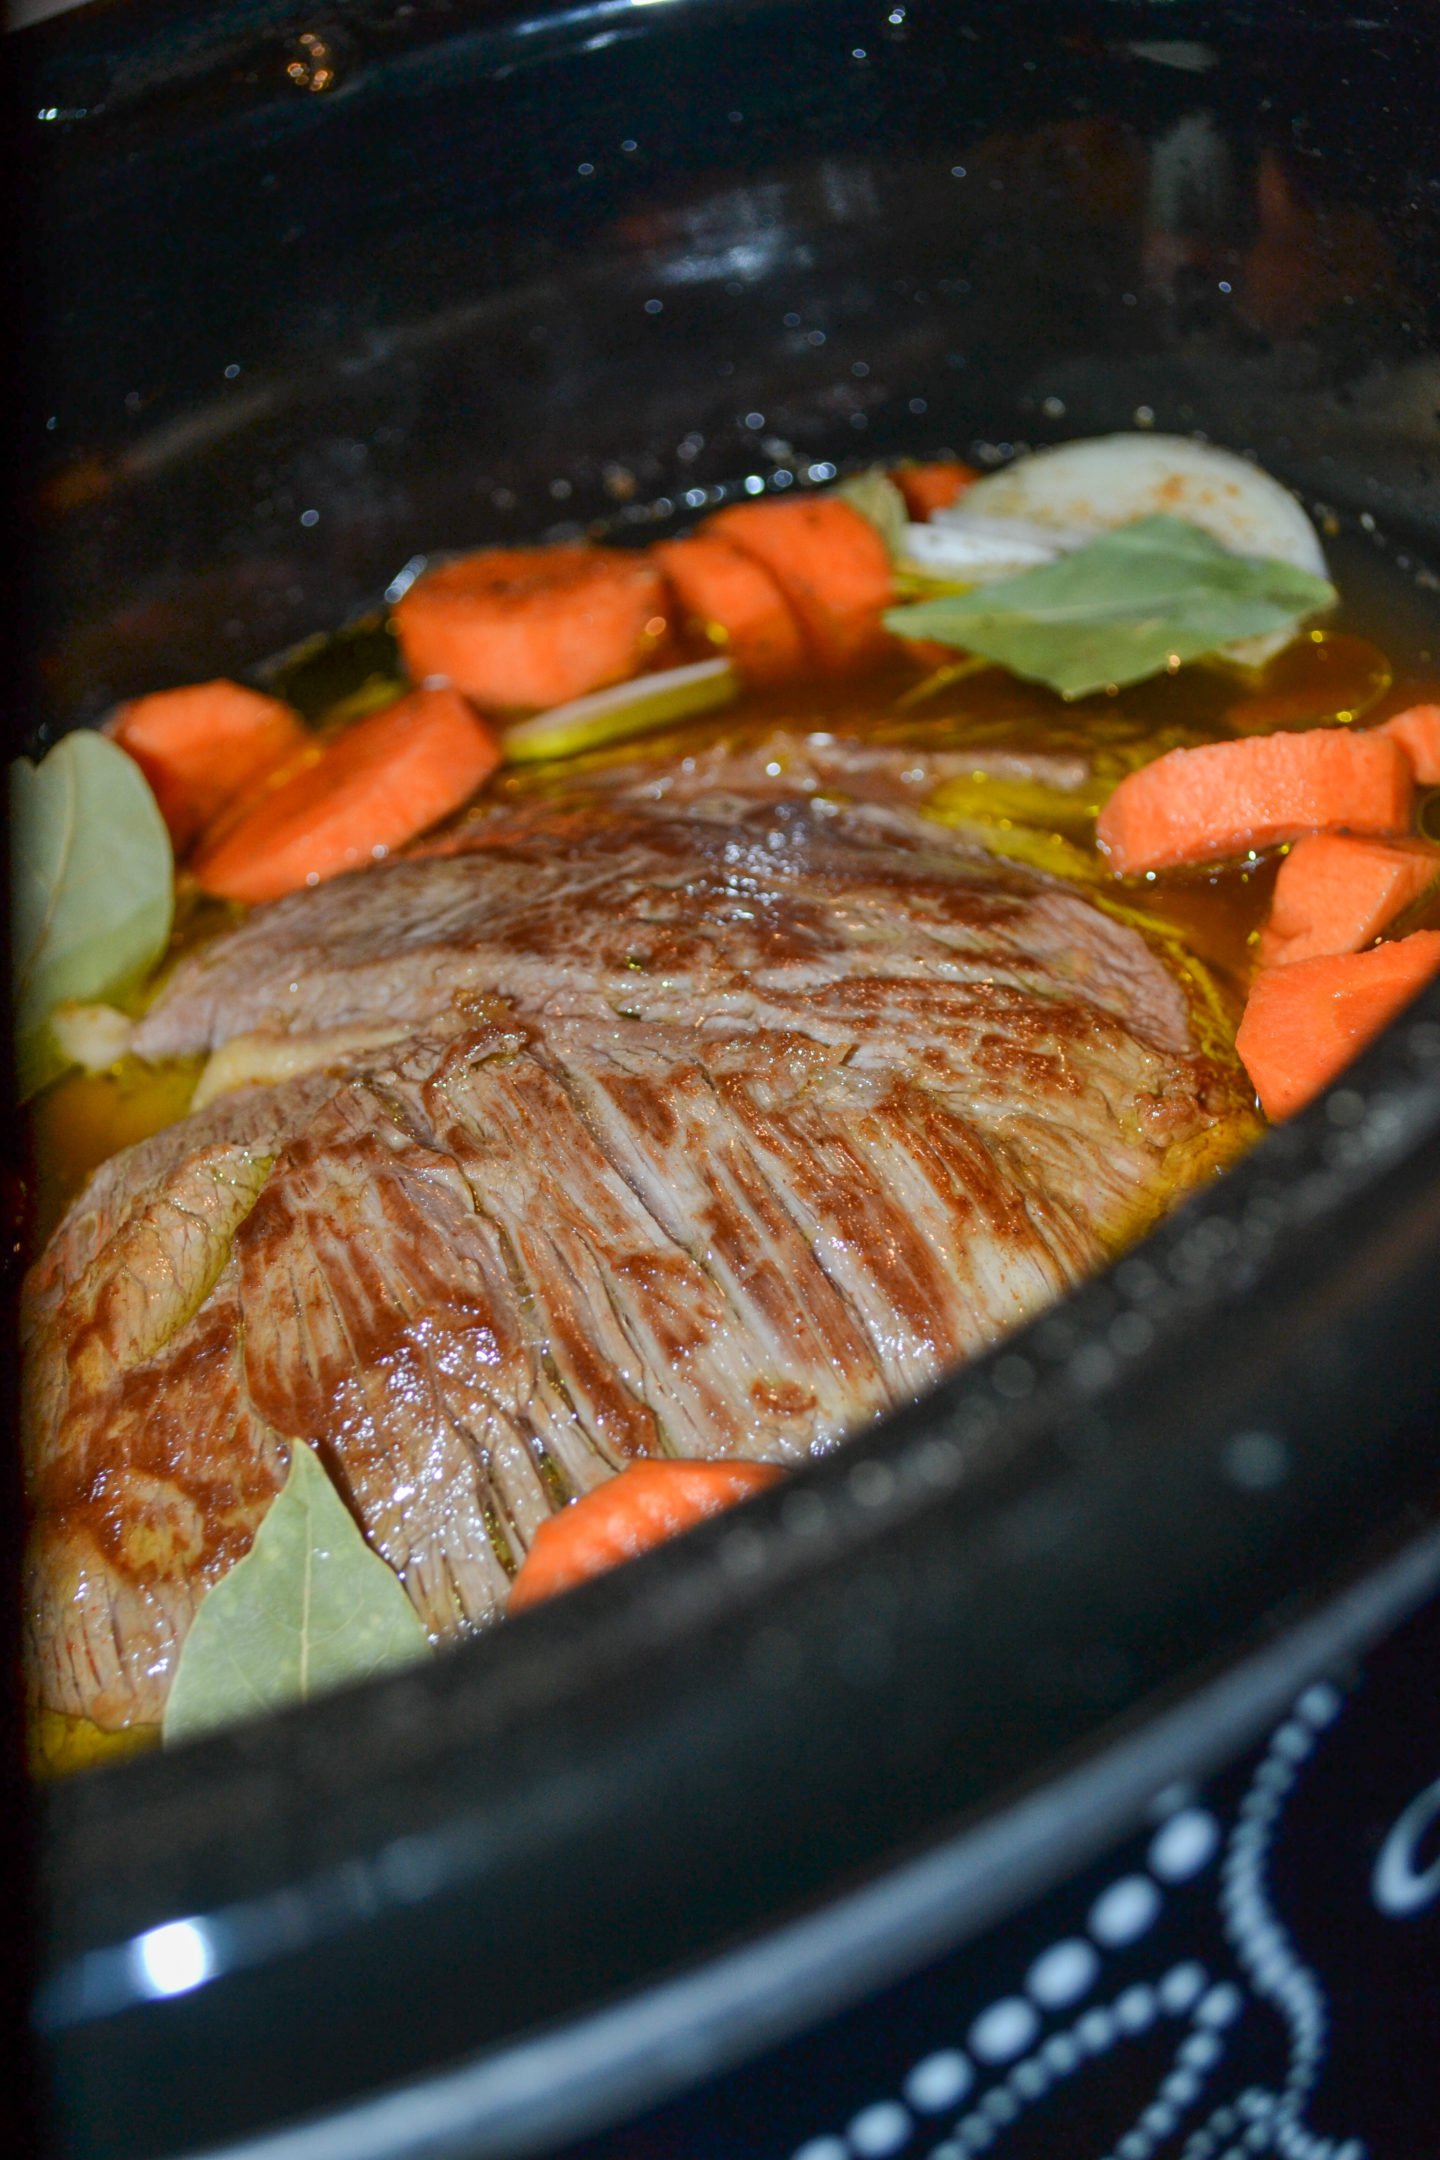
(443, 301)
(929, 226)
(1256, 1967)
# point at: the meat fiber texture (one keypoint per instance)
(732, 1103)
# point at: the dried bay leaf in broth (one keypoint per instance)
(310, 1607)
(92, 887)
(1130, 604)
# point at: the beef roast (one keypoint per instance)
(713, 1112)
(574, 907)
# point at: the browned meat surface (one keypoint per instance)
(674, 899)
(726, 1119)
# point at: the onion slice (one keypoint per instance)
(629, 708)
(1093, 485)
(1090, 486)
(979, 550)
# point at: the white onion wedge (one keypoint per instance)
(977, 551)
(629, 708)
(1108, 480)
(1029, 532)
(1093, 485)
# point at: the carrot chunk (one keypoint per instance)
(830, 563)
(737, 603)
(1336, 893)
(928, 488)
(1305, 1022)
(366, 791)
(201, 746)
(531, 627)
(1418, 734)
(644, 1505)
(1195, 806)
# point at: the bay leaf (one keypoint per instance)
(874, 494)
(310, 1607)
(92, 888)
(1129, 604)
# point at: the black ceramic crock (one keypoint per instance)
(1054, 1770)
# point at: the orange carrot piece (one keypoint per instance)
(243, 805)
(526, 628)
(1196, 806)
(928, 488)
(641, 1507)
(202, 745)
(1418, 734)
(1305, 1022)
(1336, 893)
(733, 594)
(366, 791)
(830, 563)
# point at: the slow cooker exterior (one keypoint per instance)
(1058, 1698)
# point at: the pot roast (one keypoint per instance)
(706, 1108)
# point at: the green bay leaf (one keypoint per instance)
(874, 494)
(1124, 607)
(92, 887)
(310, 1607)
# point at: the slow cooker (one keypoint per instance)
(1054, 1770)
